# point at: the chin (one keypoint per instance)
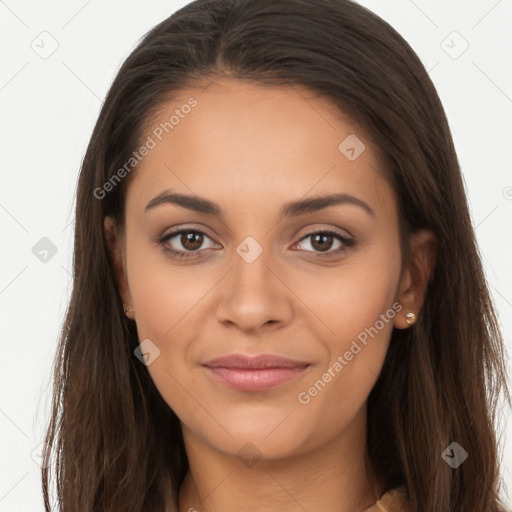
(256, 436)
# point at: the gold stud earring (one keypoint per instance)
(127, 309)
(410, 318)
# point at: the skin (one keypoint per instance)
(250, 149)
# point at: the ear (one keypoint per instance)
(115, 243)
(416, 275)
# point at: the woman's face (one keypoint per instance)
(275, 272)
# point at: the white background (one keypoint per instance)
(49, 107)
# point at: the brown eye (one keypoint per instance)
(185, 242)
(191, 240)
(322, 241)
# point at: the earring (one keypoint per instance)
(127, 309)
(410, 318)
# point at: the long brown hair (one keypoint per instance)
(117, 445)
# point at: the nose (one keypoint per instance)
(254, 295)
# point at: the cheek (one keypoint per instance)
(351, 298)
(357, 306)
(339, 388)
(169, 304)
(165, 295)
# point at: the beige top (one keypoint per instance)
(395, 500)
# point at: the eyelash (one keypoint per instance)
(347, 243)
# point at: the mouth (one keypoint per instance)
(256, 373)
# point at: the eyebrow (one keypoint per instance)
(291, 209)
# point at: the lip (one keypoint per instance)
(259, 362)
(255, 373)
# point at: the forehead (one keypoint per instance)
(243, 143)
